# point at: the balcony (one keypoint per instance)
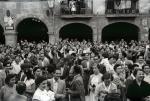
(122, 8)
(80, 11)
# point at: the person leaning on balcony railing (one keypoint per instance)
(134, 4)
(72, 6)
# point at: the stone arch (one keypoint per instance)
(124, 21)
(76, 30)
(38, 30)
(21, 18)
(120, 30)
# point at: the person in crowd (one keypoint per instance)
(51, 69)
(87, 64)
(131, 78)
(9, 89)
(146, 69)
(102, 68)
(58, 86)
(139, 89)
(140, 61)
(16, 65)
(64, 70)
(7, 65)
(22, 75)
(119, 80)
(147, 54)
(105, 87)
(30, 84)
(72, 6)
(108, 62)
(76, 91)
(42, 59)
(50, 93)
(2, 75)
(20, 95)
(37, 71)
(41, 93)
(95, 79)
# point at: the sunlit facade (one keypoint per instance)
(56, 17)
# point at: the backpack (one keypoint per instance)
(112, 97)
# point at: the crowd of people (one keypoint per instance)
(73, 70)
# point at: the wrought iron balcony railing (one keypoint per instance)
(122, 7)
(78, 9)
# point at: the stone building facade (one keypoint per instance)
(97, 22)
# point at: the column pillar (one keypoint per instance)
(10, 37)
(144, 30)
(94, 36)
(95, 33)
(144, 34)
(51, 38)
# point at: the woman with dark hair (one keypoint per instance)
(138, 90)
(102, 68)
(20, 88)
(9, 88)
(30, 84)
(41, 93)
(106, 87)
(77, 91)
(37, 71)
(94, 80)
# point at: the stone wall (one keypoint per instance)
(36, 9)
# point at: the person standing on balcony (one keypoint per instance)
(51, 6)
(72, 6)
(78, 3)
(134, 4)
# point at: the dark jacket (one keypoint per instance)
(138, 93)
(77, 87)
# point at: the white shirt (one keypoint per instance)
(88, 64)
(29, 83)
(62, 70)
(42, 95)
(16, 68)
(50, 3)
(147, 78)
(55, 85)
(51, 95)
(109, 67)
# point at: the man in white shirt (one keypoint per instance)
(58, 86)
